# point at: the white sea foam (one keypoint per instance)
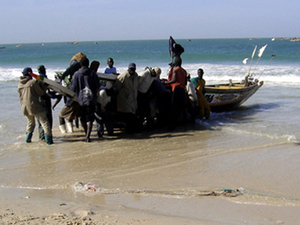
(283, 75)
(213, 73)
(8, 74)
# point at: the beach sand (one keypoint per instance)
(188, 176)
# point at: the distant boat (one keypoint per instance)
(251, 39)
(2, 47)
(188, 40)
(17, 46)
(295, 39)
(276, 39)
(96, 42)
(74, 42)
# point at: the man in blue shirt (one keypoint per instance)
(110, 68)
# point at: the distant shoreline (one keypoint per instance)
(126, 40)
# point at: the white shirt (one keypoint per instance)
(145, 81)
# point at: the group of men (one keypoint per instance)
(135, 99)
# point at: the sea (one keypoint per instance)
(275, 105)
(265, 125)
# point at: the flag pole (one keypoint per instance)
(259, 54)
(272, 57)
(253, 53)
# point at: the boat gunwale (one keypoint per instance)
(219, 88)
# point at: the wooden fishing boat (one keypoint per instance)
(222, 97)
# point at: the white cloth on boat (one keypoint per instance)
(145, 81)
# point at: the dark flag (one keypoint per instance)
(171, 46)
(174, 48)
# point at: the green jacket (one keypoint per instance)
(29, 91)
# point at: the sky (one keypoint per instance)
(41, 21)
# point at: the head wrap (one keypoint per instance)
(41, 69)
(26, 71)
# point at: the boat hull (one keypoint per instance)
(224, 97)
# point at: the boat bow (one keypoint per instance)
(222, 97)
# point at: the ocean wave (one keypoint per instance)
(13, 74)
(213, 73)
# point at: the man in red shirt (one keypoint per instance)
(177, 81)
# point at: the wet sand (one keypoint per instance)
(174, 177)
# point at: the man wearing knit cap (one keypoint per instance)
(127, 84)
(29, 92)
(46, 101)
